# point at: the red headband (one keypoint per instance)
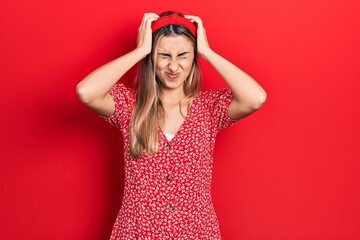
(173, 19)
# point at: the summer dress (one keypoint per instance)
(168, 195)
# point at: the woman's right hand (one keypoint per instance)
(145, 33)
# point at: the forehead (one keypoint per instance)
(174, 43)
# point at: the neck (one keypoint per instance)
(172, 96)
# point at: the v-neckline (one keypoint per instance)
(189, 114)
(177, 132)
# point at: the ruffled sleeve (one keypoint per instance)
(218, 102)
(124, 99)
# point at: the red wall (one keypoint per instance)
(289, 171)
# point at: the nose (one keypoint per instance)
(173, 66)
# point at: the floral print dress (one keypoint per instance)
(168, 195)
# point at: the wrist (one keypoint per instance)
(141, 52)
(207, 54)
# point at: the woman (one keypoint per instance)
(169, 126)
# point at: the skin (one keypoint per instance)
(249, 95)
(174, 56)
(93, 89)
(174, 59)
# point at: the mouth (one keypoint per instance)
(172, 75)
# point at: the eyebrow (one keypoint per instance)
(182, 54)
(169, 55)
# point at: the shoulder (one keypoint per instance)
(120, 92)
(215, 94)
(215, 100)
(121, 88)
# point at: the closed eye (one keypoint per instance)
(183, 55)
(164, 55)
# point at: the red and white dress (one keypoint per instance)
(168, 195)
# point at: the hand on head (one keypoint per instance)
(144, 40)
(145, 33)
(202, 43)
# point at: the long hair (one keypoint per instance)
(148, 112)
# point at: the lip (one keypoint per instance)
(172, 75)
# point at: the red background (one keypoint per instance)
(289, 171)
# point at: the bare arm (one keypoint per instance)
(249, 95)
(93, 89)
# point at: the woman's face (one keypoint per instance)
(174, 58)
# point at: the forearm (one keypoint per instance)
(98, 83)
(245, 89)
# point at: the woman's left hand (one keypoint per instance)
(202, 44)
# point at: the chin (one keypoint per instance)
(172, 84)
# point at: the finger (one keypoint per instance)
(193, 18)
(190, 16)
(146, 17)
(148, 20)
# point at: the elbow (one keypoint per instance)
(260, 100)
(82, 94)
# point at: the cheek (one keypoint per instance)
(186, 65)
(160, 65)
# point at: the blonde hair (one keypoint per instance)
(148, 111)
